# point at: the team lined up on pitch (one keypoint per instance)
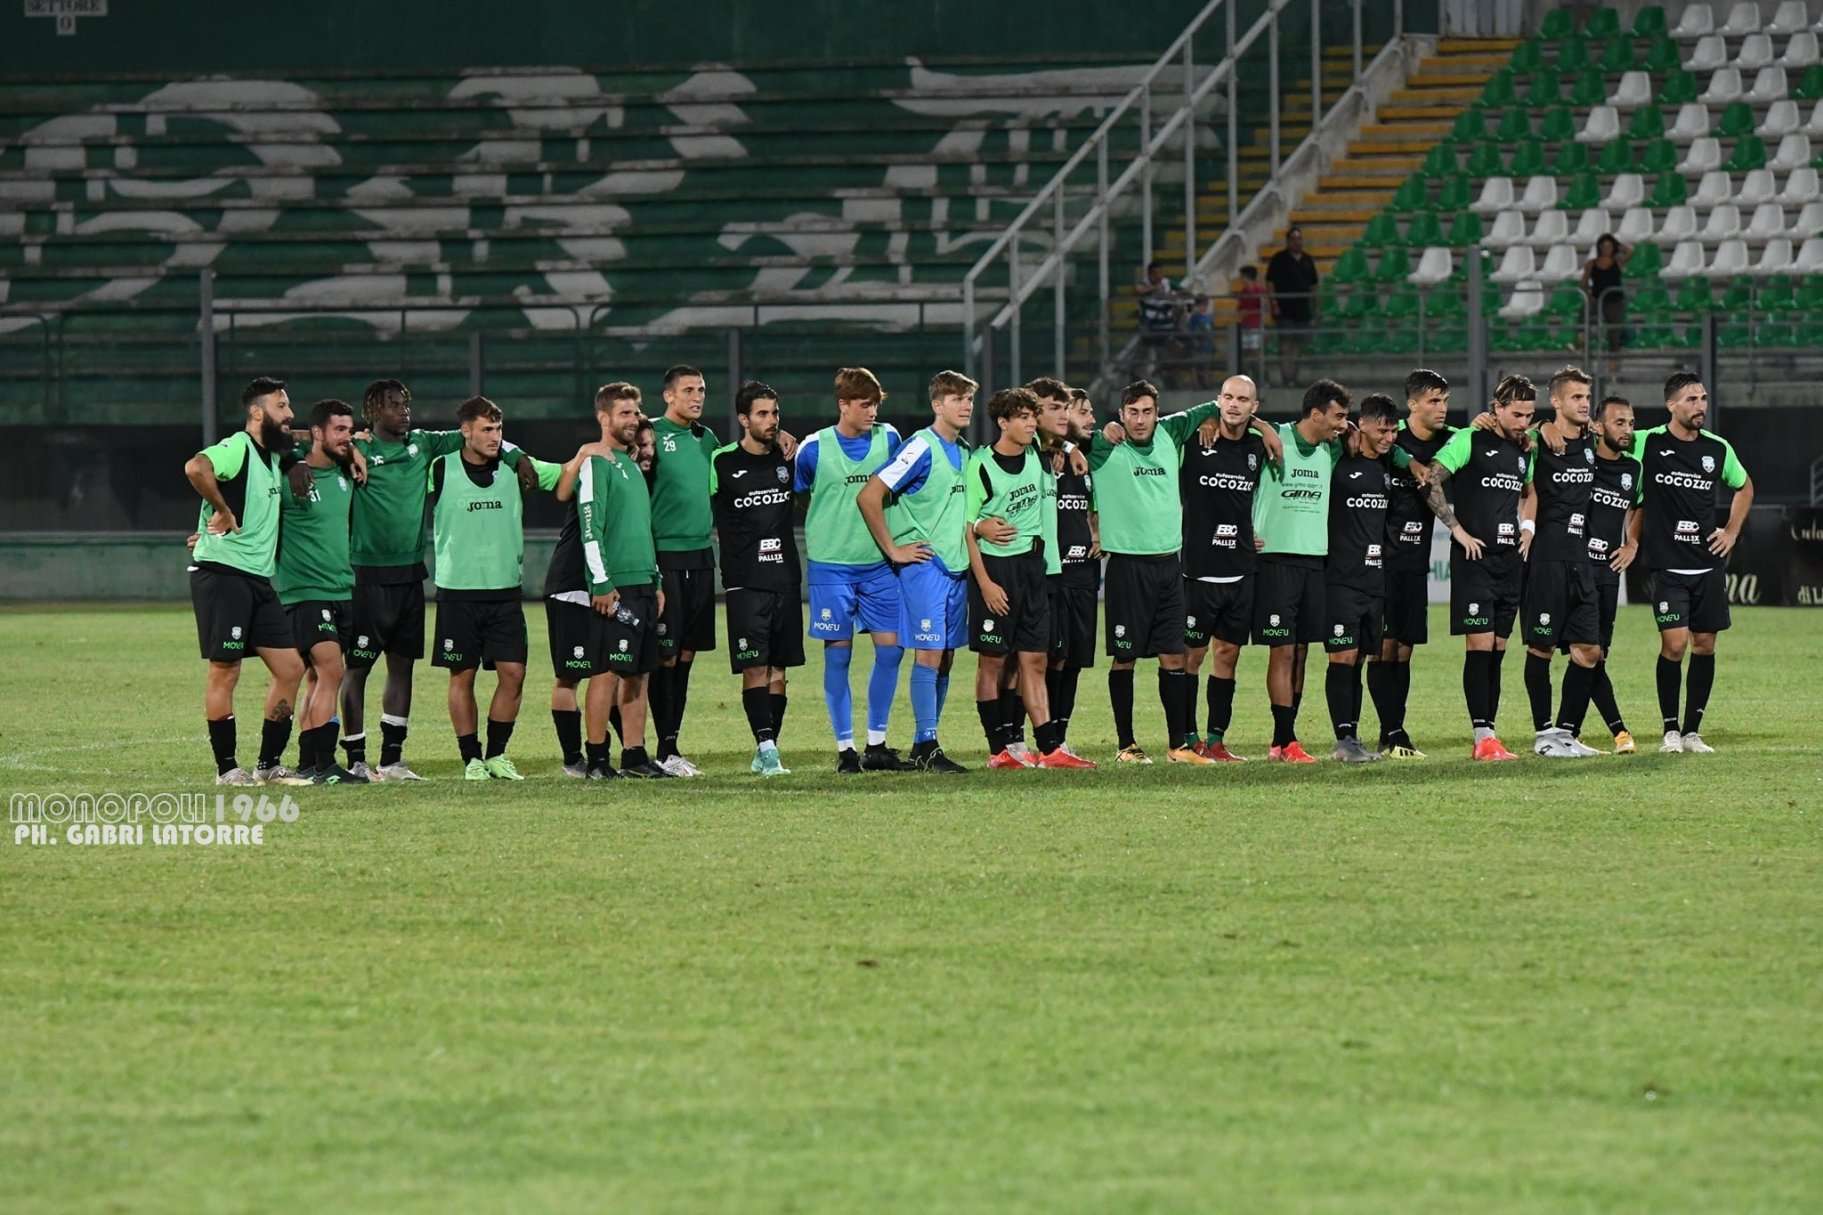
(1203, 531)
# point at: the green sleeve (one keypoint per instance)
(1180, 426)
(1099, 450)
(975, 492)
(1402, 459)
(441, 442)
(1531, 457)
(548, 474)
(229, 456)
(592, 518)
(1336, 449)
(1640, 438)
(1454, 455)
(1734, 474)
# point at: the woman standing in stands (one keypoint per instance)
(1601, 278)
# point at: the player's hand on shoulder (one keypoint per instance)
(1079, 463)
(1207, 432)
(357, 465)
(1274, 445)
(528, 475)
(1483, 421)
(788, 444)
(1114, 432)
(299, 479)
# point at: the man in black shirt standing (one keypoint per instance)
(1217, 480)
(1408, 560)
(1076, 588)
(1611, 549)
(1355, 578)
(750, 494)
(1292, 277)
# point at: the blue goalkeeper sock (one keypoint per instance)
(882, 686)
(837, 696)
(942, 693)
(924, 702)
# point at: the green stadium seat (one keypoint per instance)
(1778, 294)
(1775, 333)
(1565, 304)
(1440, 161)
(1669, 191)
(1602, 23)
(1381, 231)
(1399, 306)
(1660, 156)
(1545, 89)
(1557, 25)
(1652, 301)
(1679, 87)
(1590, 89)
(1485, 161)
(1647, 260)
(1810, 85)
(1445, 304)
(1527, 58)
(1413, 194)
(1424, 231)
(1733, 335)
(1692, 295)
(1470, 126)
(1749, 154)
(1662, 56)
(1515, 125)
(1528, 159)
(1648, 123)
(1649, 22)
(1353, 307)
(1617, 56)
(1351, 267)
(1736, 121)
(1572, 157)
(1394, 265)
(1573, 53)
(1499, 90)
(1582, 195)
(1559, 125)
(1614, 158)
(1737, 296)
(1457, 193)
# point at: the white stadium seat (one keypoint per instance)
(1686, 261)
(1775, 258)
(1636, 225)
(1526, 301)
(1759, 186)
(1743, 18)
(1810, 219)
(1516, 266)
(1755, 53)
(1496, 195)
(1730, 260)
(1789, 18)
(1724, 86)
(1679, 225)
(1800, 51)
(1508, 229)
(1540, 192)
(1810, 257)
(1591, 226)
(1709, 53)
(1715, 188)
(1628, 190)
(1692, 123)
(1815, 125)
(1768, 85)
(1794, 153)
(1703, 155)
(1781, 120)
(1553, 228)
(1768, 221)
(1634, 91)
(1698, 19)
(1602, 127)
(1560, 264)
(1723, 222)
(1434, 267)
(1801, 189)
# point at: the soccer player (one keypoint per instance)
(572, 625)
(1559, 604)
(849, 581)
(1136, 470)
(1009, 600)
(1687, 554)
(914, 510)
(477, 519)
(315, 584)
(750, 490)
(1218, 479)
(1489, 470)
(1611, 549)
(387, 547)
(614, 507)
(230, 582)
(1355, 574)
(1408, 523)
(1291, 518)
(1076, 586)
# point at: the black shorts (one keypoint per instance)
(1217, 611)
(1353, 619)
(1025, 626)
(314, 621)
(236, 614)
(630, 633)
(1290, 602)
(688, 622)
(388, 619)
(1484, 595)
(479, 633)
(577, 633)
(1698, 602)
(1406, 617)
(1607, 601)
(1075, 596)
(765, 629)
(1559, 604)
(1145, 606)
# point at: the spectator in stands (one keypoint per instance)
(1601, 278)
(1200, 326)
(1157, 318)
(1292, 276)
(1250, 302)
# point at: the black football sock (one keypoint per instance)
(1577, 682)
(1356, 676)
(614, 718)
(1221, 707)
(1670, 674)
(325, 743)
(1338, 690)
(659, 688)
(1602, 694)
(777, 701)
(1538, 690)
(469, 745)
(392, 741)
(1696, 693)
(1120, 695)
(1065, 707)
(757, 704)
(1380, 685)
(1187, 688)
(274, 735)
(499, 733)
(634, 757)
(1284, 725)
(306, 750)
(569, 734)
(1053, 691)
(221, 742)
(989, 712)
(1496, 658)
(1402, 694)
(1047, 737)
(680, 700)
(1171, 695)
(1477, 670)
(597, 753)
(356, 747)
(1012, 716)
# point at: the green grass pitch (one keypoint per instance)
(1434, 987)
